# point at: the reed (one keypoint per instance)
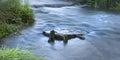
(101, 4)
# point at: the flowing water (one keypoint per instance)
(102, 43)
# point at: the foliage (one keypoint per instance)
(16, 54)
(101, 4)
(117, 8)
(6, 29)
(13, 12)
(14, 15)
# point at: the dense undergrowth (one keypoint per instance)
(101, 4)
(13, 16)
(16, 54)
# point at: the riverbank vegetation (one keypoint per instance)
(101, 4)
(16, 54)
(14, 16)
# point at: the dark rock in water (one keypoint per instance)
(64, 35)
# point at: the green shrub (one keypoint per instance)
(13, 16)
(16, 54)
(26, 15)
(6, 29)
(15, 13)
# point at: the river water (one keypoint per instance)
(102, 43)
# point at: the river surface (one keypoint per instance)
(102, 43)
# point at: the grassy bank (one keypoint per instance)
(101, 4)
(16, 54)
(13, 16)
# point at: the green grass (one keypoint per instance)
(14, 16)
(6, 29)
(113, 5)
(16, 54)
(12, 12)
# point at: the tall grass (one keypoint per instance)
(16, 54)
(12, 11)
(13, 16)
(101, 4)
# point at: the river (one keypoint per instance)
(102, 43)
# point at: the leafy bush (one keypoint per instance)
(16, 54)
(6, 29)
(13, 16)
(13, 12)
(26, 15)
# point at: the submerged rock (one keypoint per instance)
(64, 34)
